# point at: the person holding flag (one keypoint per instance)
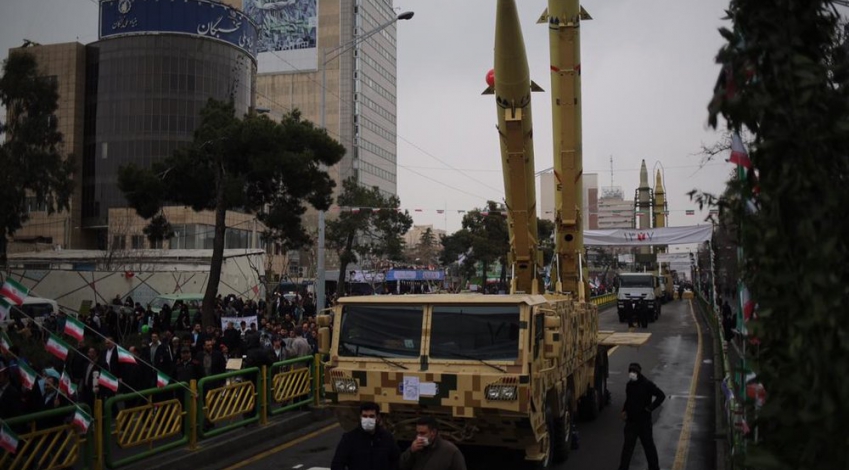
(10, 395)
(110, 369)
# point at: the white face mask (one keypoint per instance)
(632, 376)
(368, 424)
(425, 441)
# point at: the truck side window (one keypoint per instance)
(539, 331)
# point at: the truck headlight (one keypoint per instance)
(345, 385)
(501, 392)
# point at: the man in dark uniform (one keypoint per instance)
(642, 397)
(367, 447)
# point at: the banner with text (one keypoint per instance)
(237, 321)
(648, 237)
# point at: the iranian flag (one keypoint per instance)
(5, 343)
(108, 380)
(691, 212)
(5, 308)
(161, 379)
(81, 421)
(57, 347)
(739, 155)
(14, 291)
(74, 328)
(66, 385)
(125, 357)
(27, 376)
(8, 440)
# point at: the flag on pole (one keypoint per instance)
(14, 291)
(355, 210)
(125, 357)
(691, 212)
(739, 155)
(27, 376)
(81, 421)
(161, 379)
(484, 213)
(5, 308)
(74, 328)
(108, 380)
(5, 343)
(66, 385)
(57, 347)
(440, 211)
(8, 439)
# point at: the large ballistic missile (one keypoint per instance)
(644, 199)
(659, 202)
(564, 21)
(512, 87)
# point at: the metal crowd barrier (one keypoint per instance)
(603, 299)
(52, 447)
(160, 419)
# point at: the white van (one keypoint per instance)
(35, 308)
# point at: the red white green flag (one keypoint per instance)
(27, 376)
(691, 212)
(5, 308)
(81, 421)
(66, 385)
(74, 328)
(739, 155)
(5, 343)
(8, 440)
(161, 379)
(108, 380)
(125, 357)
(14, 291)
(57, 347)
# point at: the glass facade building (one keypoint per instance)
(143, 100)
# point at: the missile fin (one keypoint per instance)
(489, 91)
(585, 15)
(543, 18)
(535, 87)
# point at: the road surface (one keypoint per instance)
(683, 428)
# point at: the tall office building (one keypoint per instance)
(134, 96)
(302, 40)
(614, 211)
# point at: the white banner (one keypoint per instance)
(238, 321)
(648, 237)
(673, 258)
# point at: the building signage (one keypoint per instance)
(201, 18)
(288, 34)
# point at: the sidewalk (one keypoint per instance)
(280, 429)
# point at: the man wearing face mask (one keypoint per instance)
(431, 452)
(368, 447)
(642, 397)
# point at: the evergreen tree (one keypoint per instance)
(30, 153)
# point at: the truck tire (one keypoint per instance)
(621, 315)
(560, 431)
(590, 404)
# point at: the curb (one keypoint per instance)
(211, 452)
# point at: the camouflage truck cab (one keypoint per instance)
(505, 371)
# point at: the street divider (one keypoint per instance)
(292, 385)
(231, 401)
(603, 300)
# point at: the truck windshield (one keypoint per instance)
(635, 281)
(381, 331)
(475, 332)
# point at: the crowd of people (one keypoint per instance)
(179, 351)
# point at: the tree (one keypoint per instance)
(785, 80)
(30, 155)
(252, 164)
(426, 249)
(372, 227)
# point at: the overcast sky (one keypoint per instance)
(647, 67)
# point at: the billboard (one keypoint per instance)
(288, 34)
(201, 18)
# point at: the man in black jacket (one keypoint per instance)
(368, 447)
(642, 397)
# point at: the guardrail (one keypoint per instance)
(45, 445)
(160, 419)
(604, 299)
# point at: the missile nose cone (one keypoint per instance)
(658, 183)
(511, 63)
(644, 175)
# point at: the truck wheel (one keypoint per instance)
(590, 404)
(621, 316)
(560, 431)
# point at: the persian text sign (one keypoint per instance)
(648, 237)
(202, 18)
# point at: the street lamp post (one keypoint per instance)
(326, 58)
